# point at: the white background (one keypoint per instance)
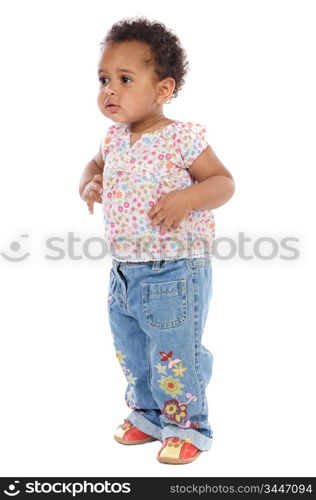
(252, 83)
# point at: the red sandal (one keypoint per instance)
(177, 451)
(127, 433)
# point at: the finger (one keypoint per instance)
(94, 196)
(96, 186)
(154, 210)
(97, 178)
(157, 219)
(166, 226)
(172, 224)
(90, 207)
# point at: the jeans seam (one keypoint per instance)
(193, 274)
(196, 357)
(149, 363)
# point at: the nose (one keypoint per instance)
(109, 90)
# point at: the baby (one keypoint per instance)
(158, 180)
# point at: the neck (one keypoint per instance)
(150, 123)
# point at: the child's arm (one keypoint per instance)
(90, 186)
(215, 186)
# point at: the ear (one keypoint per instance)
(165, 89)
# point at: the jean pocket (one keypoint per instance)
(165, 304)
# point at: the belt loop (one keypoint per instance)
(156, 265)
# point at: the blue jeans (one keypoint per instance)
(157, 312)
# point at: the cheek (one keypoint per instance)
(100, 99)
(100, 103)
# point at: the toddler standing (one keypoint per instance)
(158, 180)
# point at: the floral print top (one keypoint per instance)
(135, 177)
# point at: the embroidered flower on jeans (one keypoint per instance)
(167, 357)
(179, 370)
(195, 426)
(130, 396)
(171, 385)
(131, 378)
(174, 410)
(120, 357)
(161, 368)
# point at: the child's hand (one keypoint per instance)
(171, 208)
(93, 192)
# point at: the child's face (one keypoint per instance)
(127, 81)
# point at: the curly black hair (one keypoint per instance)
(169, 58)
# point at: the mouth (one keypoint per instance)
(112, 107)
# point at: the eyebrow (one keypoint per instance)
(118, 69)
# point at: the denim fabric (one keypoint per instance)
(157, 312)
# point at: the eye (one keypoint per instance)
(101, 80)
(126, 78)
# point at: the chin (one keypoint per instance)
(115, 119)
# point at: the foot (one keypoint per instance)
(177, 451)
(127, 433)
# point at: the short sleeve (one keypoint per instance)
(192, 140)
(107, 141)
